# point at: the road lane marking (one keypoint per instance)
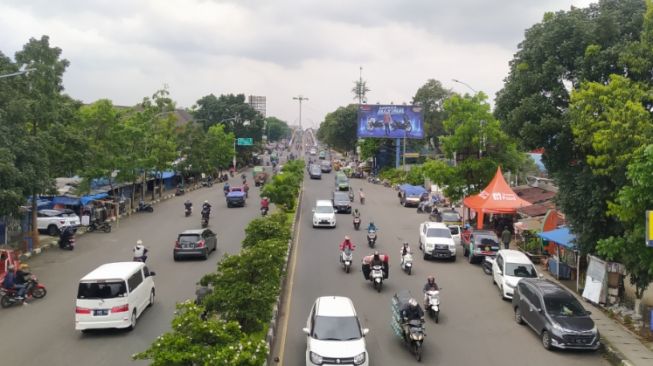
(291, 282)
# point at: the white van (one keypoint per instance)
(113, 295)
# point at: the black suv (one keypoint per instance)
(341, 202)
(554, 314)
(195, 243)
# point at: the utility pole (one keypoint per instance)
(300, 98)
(360, 86)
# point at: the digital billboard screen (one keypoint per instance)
(390, 121)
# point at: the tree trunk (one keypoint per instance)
(36, 242)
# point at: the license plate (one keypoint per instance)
(187, 246)
(441, 255)
(101, 312)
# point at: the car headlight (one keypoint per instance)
(359, 359)
(557, 327)
(315, 358)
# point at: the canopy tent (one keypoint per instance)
(92, 197)
(496, 198)
(560, 236)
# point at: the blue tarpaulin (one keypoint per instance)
(167, 175)
(65, 200)
(560, 236)
(92, 197)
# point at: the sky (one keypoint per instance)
(125, 50)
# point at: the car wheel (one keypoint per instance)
(132, 320)
(53, 230)
(151, 299)
(546, 340)
(453, 258)
(206, 254)
(518, 318)
(175, 258)
(426, 256)
(471, 258)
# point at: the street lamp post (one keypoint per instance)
(465, 84)
(16, 73)
(300, 98)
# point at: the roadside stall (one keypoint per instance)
(564, 262)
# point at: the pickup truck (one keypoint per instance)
(236, 199)
(51, 221)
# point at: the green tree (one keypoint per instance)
(277, 129)
(275, 226)
(630, 207)
(219, 147)
(339, 128)
(431, 97)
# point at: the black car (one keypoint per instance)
(483, 243)
(554, 314)
(195, 243)
(341, 202)
(315, 172)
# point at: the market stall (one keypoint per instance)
(564, 262)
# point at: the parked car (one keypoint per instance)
(435, 240)
(456, 233)
(51, 221)
(451, 217)
(482, 243)
(324, 214)
(195, 243)
(334, 335)
(555, 315)
(508, 268)
(315, 172)
(341, 202)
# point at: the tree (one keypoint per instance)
(277, 129)
(274, 226)
(219, 147)
(630, 207)
(339, 128)
(431, 97)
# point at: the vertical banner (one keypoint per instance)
(649, 229)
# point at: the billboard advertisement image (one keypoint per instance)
(390, 121)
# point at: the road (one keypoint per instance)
(42, 333)
(476, 327)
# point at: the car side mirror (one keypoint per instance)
(365, 331)
(540, 275)
(306, 331)
(587, 312)
(152, 273)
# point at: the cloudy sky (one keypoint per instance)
(127, 49)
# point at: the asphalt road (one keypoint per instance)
(42, 333)
(476, 327)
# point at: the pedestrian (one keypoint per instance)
(506, 236)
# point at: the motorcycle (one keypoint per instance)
(67, 243)
(376, 276)
(180, 191)
(371, 238)
(264, 211)
(142, 206)
(351, 196)
(407, 263)
(142, 258)
(33, 289)
(488, 261)
(373, 123)
(99, 225)
(433, 304)
(357, 223)
(415, 337)
(188, 211)
(205, 220)
(207, 183)
(346, 257)
(401, 125)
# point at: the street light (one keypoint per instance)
(21, 72)
(465, 84)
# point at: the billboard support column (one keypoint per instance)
(397, 152)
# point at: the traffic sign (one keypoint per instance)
(244, 141)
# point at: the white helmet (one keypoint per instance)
(139, 242)
(412, 302)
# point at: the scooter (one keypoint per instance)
(205, 221)
(188, 211)
(346, 257)
(415, 337)
(433, 304)
(142, 206)
(99, 225)
(33, 289)
(264, 211)
(371, 238)
(376, 276)
(357, 223)
(68, 244)
(407, 263)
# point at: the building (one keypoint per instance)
(258, 103)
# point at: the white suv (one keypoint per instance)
(334, 335)
(324, 214)
(435, 240)
(51, 221)
(508, 268)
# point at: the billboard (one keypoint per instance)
(390, 121)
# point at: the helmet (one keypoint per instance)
(346, 237)
(206, 201)
(412, 302)
(24, 266)
(139, 242)
(430, 279)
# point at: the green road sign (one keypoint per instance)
(244, 141)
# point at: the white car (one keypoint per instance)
(52, 221)
(435, 240)
(324, 214)
(334, 335)
(456, 233)
(508, 268)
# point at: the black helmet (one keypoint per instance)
(430, 279)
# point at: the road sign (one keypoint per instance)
(244, 141)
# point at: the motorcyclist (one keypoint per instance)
(371, 226)
(356, 214)
(405, 249)
(10, 283)
(67, 233)
(188, 205)
(265, 203)
(140, 252)
(361, 195)
(346, 244)
(226, 187)
(246, 188)
(429, 286)
(376, 259)
(206, 206)
(412, 311)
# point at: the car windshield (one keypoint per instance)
(563, 306)
(188, 239)
(486, 240)
(455, 230)
(323, 209)
(520, 270)
(437, 232)
(101, 290)
(336, 328)
(341, 180)
(315, 169)
(450, 216)
(341, 197)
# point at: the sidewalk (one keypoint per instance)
(621, 345)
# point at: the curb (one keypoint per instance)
(613, 355)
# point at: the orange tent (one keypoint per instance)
(497, 198)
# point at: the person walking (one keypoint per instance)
(506, 236)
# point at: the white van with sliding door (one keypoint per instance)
(114, 295)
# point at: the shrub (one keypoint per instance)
(275, 226)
